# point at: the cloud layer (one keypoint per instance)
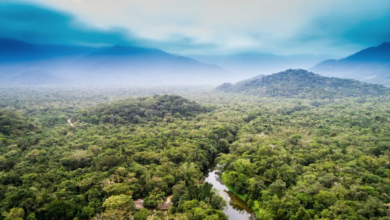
(331, 27)
(40, 25)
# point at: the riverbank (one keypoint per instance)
(243, 198)
(236, 207)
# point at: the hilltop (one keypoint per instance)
(141, 110)
(303, 84)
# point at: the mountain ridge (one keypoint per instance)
(380, 53)
(12, 50)
(247, 64)
(371, 65)
(105, 65)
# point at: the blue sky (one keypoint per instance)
(330, 27)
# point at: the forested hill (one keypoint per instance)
(303, 84)
(87, 170)
(135, 111)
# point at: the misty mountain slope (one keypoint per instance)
(247, 64)
(303, 84)
(144, 57)
(12, 50)
(119, 50)
(380, 53)
(106, 65)
(138, 65)
(54, 51)
(369, 65)
(34, 77)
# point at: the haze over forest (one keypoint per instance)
(194, 110)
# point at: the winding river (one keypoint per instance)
(237, 208)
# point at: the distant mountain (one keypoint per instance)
(253, 63)
(130, 55)
(119, 50)
(35, 77)
(107, 65)
(54, 51)
(146, 65)
(12, 50)
(369, 65)
(380, 53)
(303, 84)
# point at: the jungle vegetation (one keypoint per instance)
(288, 157)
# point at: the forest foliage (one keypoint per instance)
(326, 162)
(288, 158)
(97, 169)
(142, 109)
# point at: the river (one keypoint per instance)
(237, 208)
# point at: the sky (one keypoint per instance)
(334, 28)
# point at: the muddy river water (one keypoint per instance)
(237, 208)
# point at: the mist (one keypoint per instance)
(36, 64)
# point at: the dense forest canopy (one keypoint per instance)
(70, 172)
(329, 162)
(143, 109)
(303, 84)
(287, 158)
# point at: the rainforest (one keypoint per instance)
(95, 153)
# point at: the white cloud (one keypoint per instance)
(230, 25)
